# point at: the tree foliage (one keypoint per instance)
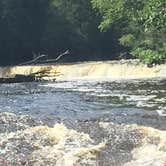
(144, 20)
(126, 27)
(50, 27)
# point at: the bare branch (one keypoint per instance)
(34, 60)
(45, 61)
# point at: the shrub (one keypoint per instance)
(148, 56)
(127, 40)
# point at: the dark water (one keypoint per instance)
(123, 101)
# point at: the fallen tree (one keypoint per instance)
(39, 58)
(18, 78)
(38, 76)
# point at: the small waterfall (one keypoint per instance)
(1, 71)
(91, 70)
(24, 70)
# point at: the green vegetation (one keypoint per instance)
(50, 27)
(131, 28)
(142, 24)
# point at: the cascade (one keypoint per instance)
(90, 70)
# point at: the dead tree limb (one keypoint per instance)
(56, 59)
(37, 59)
(34, 60)
(61, 55)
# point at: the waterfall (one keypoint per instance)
(90, 70)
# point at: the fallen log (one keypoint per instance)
(37, 76)
(18, 78)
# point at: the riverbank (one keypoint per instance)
(128, 69)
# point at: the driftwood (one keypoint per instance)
(38, 76)
(18, 78)
(38, 59)
(34, 60)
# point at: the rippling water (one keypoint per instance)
(114, 122)
(121, 101)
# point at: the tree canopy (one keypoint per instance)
(91, 29)
(142, 23)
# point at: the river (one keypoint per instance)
(124, 121)
(139, 101)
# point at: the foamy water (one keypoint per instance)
(25, 141)
(123, 69)
(117, 122)
(42, 145)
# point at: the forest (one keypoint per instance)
(90, 29)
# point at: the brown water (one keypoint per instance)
(90, 70)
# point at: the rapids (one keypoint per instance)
(90, 116)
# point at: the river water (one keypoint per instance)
(139, 101)
(116, 106)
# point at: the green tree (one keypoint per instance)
(23, 23)
(86, 41)
(51, 26)
(144, 20)
(82, 26)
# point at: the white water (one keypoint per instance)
(130, 102)
(90, 70)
